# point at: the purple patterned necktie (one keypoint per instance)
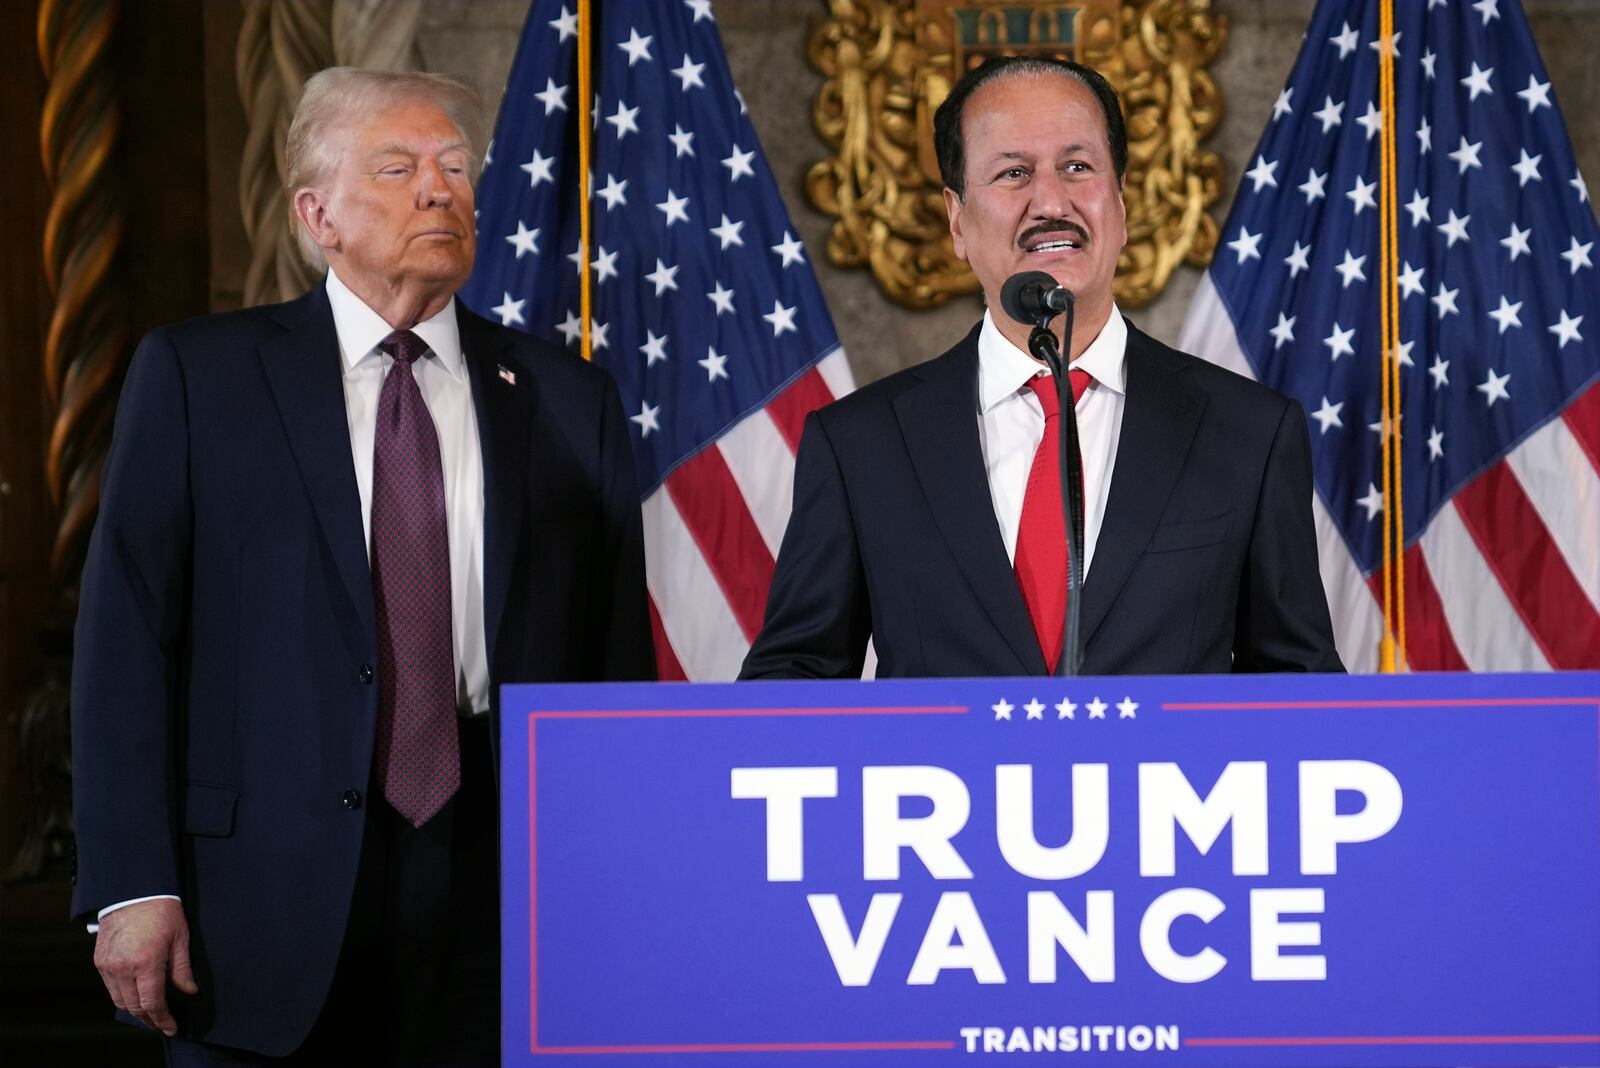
(418, 753)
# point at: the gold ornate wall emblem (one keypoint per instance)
(890, 63)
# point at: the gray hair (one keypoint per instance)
(335, 99)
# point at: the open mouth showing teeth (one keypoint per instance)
(1055, 246)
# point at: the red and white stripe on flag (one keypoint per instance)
(713, 527)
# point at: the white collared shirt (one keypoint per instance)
(446, 388)
(1011, 423)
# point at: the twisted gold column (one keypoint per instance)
(88, 334)
(84, 350)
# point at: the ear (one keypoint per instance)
(1122, 212)
(311, 207)
(952, 207)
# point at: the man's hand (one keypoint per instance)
(137, 948)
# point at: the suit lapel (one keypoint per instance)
(504, 405)
(939, 421)
(302, 367)
(1158, 422)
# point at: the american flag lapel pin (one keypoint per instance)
(508, 374)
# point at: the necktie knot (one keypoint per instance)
(404, 345)
(1044, 387)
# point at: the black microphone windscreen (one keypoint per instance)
(1022, 295)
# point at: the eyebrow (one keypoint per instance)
(998, 157)
(396, 149)
(1078, 146)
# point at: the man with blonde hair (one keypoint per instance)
(329, 530)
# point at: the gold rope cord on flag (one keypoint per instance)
(585, 148)
(1392, 650)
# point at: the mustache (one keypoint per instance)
(1053, 226)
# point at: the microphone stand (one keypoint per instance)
(1042, 343)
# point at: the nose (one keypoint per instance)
(1052, 195)
(433, 188)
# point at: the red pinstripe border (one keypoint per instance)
(690, 713)
(817, 1047)
(1420, 702)
(707, 497)
(1518, 548)
(754, 1047)
(1397, 1040)
(533, 892)
(533, 877)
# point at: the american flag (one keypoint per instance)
(705, 307)
(1499, 330)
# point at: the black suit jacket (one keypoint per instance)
(224, 702)
(1206, 559)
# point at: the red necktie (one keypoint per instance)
(418, 752)
(1041, 557)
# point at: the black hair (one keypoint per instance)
(950, 145)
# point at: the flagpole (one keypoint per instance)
(585, 151)
(1386, 58)
(1392, 648)
(1386, 645)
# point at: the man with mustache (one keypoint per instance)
(927, 510)
(329, 530)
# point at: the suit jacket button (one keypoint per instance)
(366, 674)
(350, 799)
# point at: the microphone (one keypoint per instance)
(1033, 297)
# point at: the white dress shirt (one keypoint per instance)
(442, 377)
(448, 393)
(1011, 424)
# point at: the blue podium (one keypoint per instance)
(1197, 871)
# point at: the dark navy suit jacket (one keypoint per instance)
(1206, 559)
(224, 701)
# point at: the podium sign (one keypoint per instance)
(1206, 871)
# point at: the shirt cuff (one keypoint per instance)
(103, 913)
